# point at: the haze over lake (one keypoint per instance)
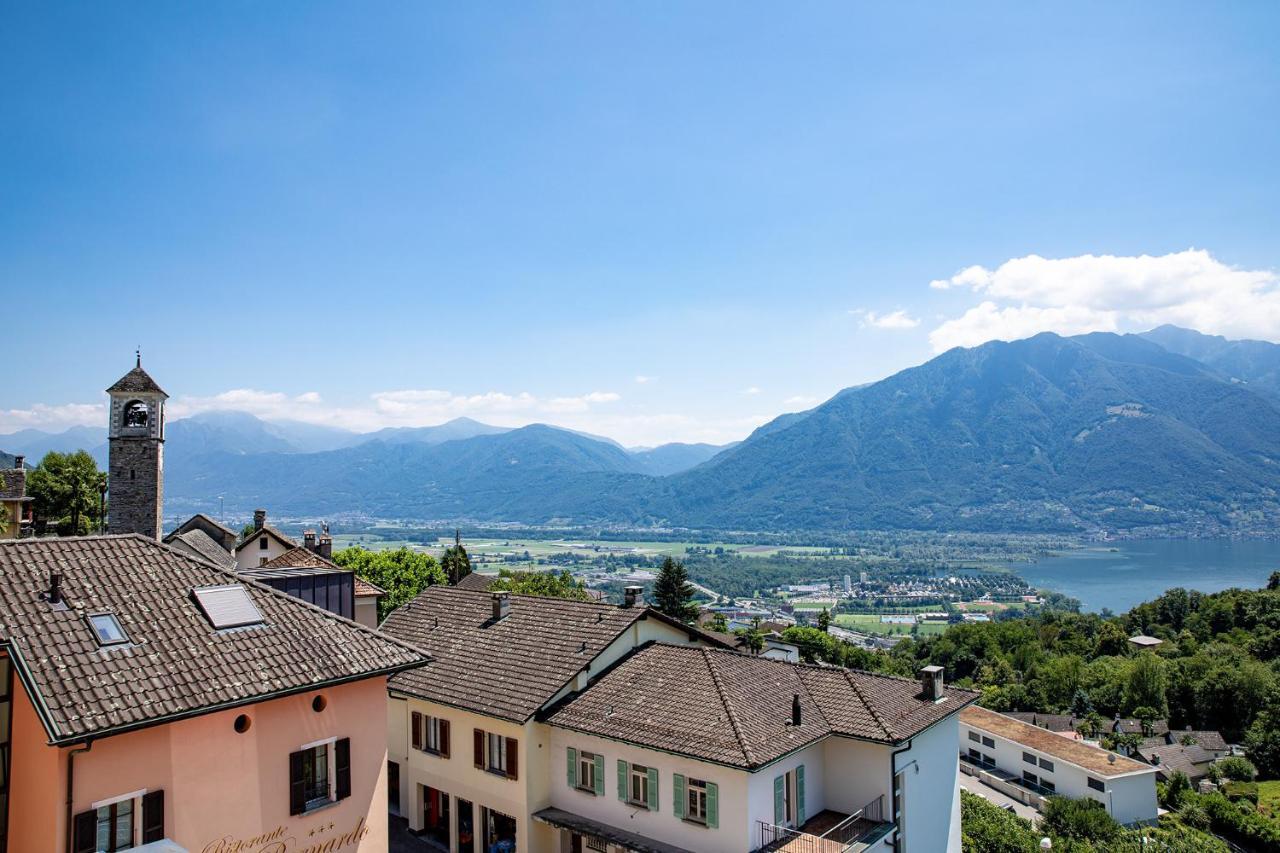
(1123, 574)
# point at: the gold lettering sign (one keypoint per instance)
(279, 840)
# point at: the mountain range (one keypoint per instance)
(1170, 430)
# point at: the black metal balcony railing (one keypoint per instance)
(849, 834)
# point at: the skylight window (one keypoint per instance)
(227, 606)
(106, 627)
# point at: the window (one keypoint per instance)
(973, 736)
(115, 826)
(1047, 785)
(989, 742)
(988, 760)
(121, 823)
(638, 789)
(696, 800)
(1046, 764)
(587, 771)
(263, 544)
(106, 627)
(1096, 784)
(975, 755)
(1028, 776)
(319, 774)
(497, 754)
(430, 734)
(227, 605)
(1029, 758)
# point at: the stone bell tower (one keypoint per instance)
(135, 470)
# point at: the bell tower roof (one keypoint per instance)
(136, 381)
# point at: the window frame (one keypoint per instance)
(1096, 784)
(111, 805)
(641, 772)
(989, 742)
(115, 622)
(975, 737)
(695, 800)
(1028, 758)
(495, 759)
(1046, 765)
(586, 775)
(329, 745)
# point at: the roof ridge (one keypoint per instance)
(728, 707)
(875, 715)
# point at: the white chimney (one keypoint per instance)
(931, 682)
(501, 605)
(632, 596)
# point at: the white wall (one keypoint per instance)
(856, 772)
(661, 824)
(761, 787)
(366, 612)
(250, 556)
(931, 790)
(1129, 798)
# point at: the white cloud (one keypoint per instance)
(645, 380)
(1089, 293)
(751, 392)
(582, 403)
(801, 400)
(272, 405)
(895, 320)
(53, 418)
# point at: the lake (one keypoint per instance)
(1119, 575)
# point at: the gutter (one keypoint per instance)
(71, 786)
(893, 789)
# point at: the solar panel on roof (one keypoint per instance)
(227, 606)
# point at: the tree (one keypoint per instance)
(1146, 717)
(824, 620)
(1237, 769)
(65, 492)
(401, 573)
(672, 592)
(546, 584)
(1147, 684)
(455, 562)
(1080, 704)
(1273, 582)
(1176, 791)
(247, 531)
(718, 623)
(1080, 820)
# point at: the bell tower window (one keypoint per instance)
(135, 414)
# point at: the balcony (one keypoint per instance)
(829, 832)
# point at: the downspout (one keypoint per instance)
(893, 791)
(71, 783)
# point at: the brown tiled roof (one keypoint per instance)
(510, 668)
(1213, 741)
(300, 558)
(1050, 722)
(363, 587)
(175, 663)
(136, 381)
(476, 581)
(267, 529)
(1174, 758)
(206, 519)
(735, 709)
(197, 543)
(1097, 761)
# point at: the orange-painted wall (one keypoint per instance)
(220, 787)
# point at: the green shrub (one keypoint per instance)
(1081, 820)
(1193, 815)
(1242, 791)
(1237, 769)
(985, 828)
(1243, 825)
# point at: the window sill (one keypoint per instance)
(501, 774)
(695, 821)
(582, 790)
(639, 805)
(317, 806)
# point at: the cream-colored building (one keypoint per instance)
(556, 727)
(469, 757)
(263, 545)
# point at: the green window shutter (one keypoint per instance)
(800, 795)
(622, 780)
(653, 790)
(713, 805)
(573, 767)
(779, 814)
(677, 787)
(599, 775)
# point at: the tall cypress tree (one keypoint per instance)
(455, 562)
(672, 592)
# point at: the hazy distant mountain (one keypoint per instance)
(675, 457)
(1256, 363)
(1044, 433)
(34, 443)
(453, 430)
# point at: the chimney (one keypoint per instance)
(259, 519)
(931, 682)
(309, 540)
(795, 709)
(18, 461)
(501, 605)
(55, 588)
(325, 549)
(632, 596)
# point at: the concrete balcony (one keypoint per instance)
(829, 832)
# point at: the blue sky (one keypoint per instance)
(654, 221)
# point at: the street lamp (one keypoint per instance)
(102, 504)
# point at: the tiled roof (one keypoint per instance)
(206, 519)
(1213, 741)
(476, 581)
(197, 543)
(175, 663)
(1191, 760)
(1131, 726)
(735, 709)
(363, 587)
(136, 381)
(510, 668)
(300, 558)
(267, 530)
(1050, 722)
(1098, 761)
